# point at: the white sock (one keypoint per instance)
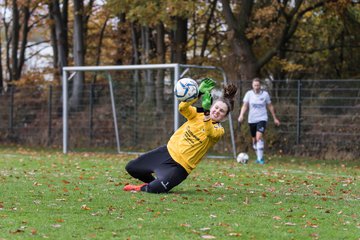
(260, 149)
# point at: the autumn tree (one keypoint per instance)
(17, 27)
(1, 68)
(332, 51)
(58, 15)
(151, 23)
(78, 54)
(270, 25)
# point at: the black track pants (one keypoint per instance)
(159, 162)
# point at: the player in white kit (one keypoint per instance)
(257, 101)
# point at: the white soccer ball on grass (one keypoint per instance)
(242, 158)
(186, 89)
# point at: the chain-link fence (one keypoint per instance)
(319, 118)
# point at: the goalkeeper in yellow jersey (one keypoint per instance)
(167, 166)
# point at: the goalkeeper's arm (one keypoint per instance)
(187, 110)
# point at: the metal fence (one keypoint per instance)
(320, 118)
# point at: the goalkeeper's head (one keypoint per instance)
(221, 108)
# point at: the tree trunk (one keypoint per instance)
(61, 21)
(54, 40)
(207, 28)
(159, 84)
(1, 69)
(78, 51)
(278, 75)
(180, 40)
(25, 33)
(135, 60)
(121, 41)
(135, 43)
(18, 51)
(98, 48)
(87, 10)
(15, 32)
(8, 46)
(149, 95)
(59, 40)
(248, 67)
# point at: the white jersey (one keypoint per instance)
(257, 105)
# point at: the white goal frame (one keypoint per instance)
(177, 68)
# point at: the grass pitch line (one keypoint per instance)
(12, 155)
(16, 156)
(307, 172)
(252, 190)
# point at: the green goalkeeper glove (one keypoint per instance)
(206, 85)
(206, 101)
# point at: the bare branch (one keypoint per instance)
(35, 53)
(229, 15)
(37, 43)
(293, 20)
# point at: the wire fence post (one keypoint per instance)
(49, 114)
(11, 109)
(298, 117)
(91, 113)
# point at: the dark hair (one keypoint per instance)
(228, 97)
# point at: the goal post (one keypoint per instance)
(177, 71)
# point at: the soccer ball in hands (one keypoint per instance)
(186, 89)
(242, 158)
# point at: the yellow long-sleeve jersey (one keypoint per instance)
(193, 139)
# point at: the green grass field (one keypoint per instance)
(48, 195)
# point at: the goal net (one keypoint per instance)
(131, 108)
